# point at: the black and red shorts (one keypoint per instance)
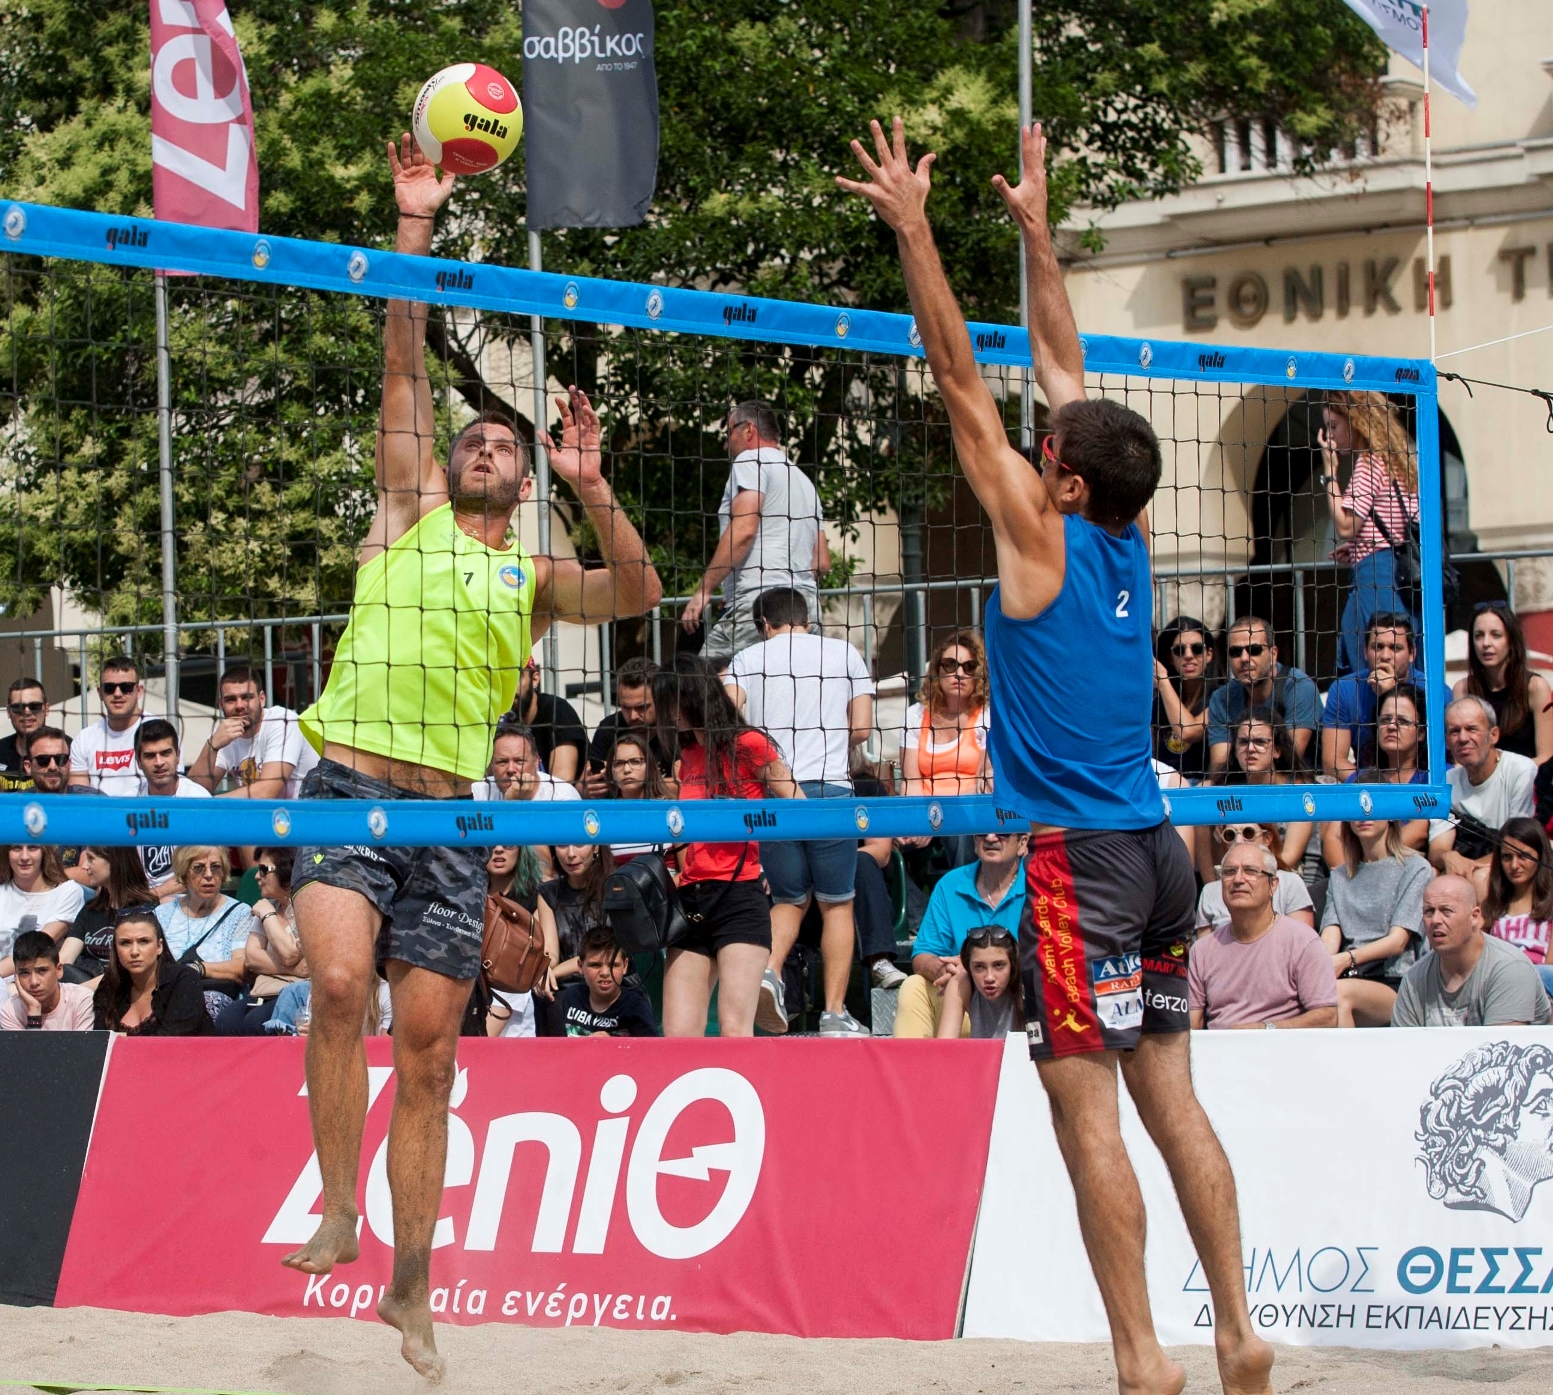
(1103, 943)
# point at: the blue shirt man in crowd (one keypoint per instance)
(988, 891)
(1259, 680)
(1348, 724)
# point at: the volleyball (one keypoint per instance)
(468, 118)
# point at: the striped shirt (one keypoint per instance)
(1370, 495)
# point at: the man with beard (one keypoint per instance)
(443, 620)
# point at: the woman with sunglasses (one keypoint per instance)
(1182, 658)
(989, 990)
(1291, 897)
(118, 878)
(944, 738)
(1519, 904)
(1374, 512)
(35, 894)
(145, 992)
(1373, 921)
(273, 954)
(1497, 670)
(205, 927)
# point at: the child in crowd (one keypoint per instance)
(989, 989)
(599, 1002)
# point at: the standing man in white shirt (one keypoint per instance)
(814, 697)
(102, 755)
(772, 534)
(263, 747)
(158, 758)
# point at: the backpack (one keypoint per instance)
(1407, 559)
(643, 906)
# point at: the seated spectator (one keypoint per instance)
(599, 1002)
(1348, 724)
(158, 757)
(273, 954)
(988, 990)
(990, 890)
(515, 769)
(1258, 680)
(43, 1001)
(145, 992)
(1399, 742)
(1183, 655)
(1260, 969)
(102, 755)
(294, 1010)
(813, 696)
(634, 714)
(1266, 754)
(1290, 897)
(1498, 672)
(259, 749)
(1471, 979)
(513, 873)
(1373, 922)
(559, 735)
(204, 927)
(1519, 904)
(35, 894)
(570, 904)
(47, 761)
(1488, 786)
(872, 907)
(720, 884)
(27, 705)
(631, 771)
(115, 878)
(943, 741)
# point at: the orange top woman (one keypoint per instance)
(944, 738)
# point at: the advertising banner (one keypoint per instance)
(1391, 1195)
(203, 166)
(697, 1185)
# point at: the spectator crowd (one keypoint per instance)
(1362, 923)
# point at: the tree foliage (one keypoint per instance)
(275, 391)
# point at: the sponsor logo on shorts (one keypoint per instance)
(473, 823)
(1171, 968)
(1035, 1034)
(1118, 982)
(1165, 1002)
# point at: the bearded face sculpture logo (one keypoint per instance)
(1486, 1130)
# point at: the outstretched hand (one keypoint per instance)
(897, 192)
(417, 190)
(578, 459)
(1027, 199)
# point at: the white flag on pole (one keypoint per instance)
(1400, 24)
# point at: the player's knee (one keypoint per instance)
(338, 991)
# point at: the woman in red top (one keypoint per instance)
(720, 884)
(1381, 499)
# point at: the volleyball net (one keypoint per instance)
(203, 506)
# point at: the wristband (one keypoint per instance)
(428, 217)
(34, 1022)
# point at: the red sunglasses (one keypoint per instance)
(1049, 456)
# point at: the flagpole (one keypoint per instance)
(547, 646)
(1428, 183)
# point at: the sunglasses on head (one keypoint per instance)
(949, 667)
(119, 689)
(26, 709)
(1196, 650)
(1254, 650)
(48, 759)
(1481, 606)
(989, 937)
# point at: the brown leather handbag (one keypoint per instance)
(512, 955)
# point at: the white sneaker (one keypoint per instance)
(886, 974)
(842, 1024)
(771, 1005)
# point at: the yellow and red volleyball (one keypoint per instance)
(468, 118)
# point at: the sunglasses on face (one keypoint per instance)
(949, 667)
(1049, 457)
(1254, 650)
(119, 689)
(26, 709)
(48, 760)
(1195, 650)
(263, 869)
(1247, 834)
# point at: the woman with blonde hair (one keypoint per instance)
(944, 738)
(1373, 513)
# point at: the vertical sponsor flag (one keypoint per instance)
(203, 167)
(590, 101)
(1400, 24)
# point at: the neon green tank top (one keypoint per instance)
(430, 660)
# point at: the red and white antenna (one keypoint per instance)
(1428, 184)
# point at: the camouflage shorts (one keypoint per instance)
(432, 899)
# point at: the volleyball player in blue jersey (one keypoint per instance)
(1110, 908)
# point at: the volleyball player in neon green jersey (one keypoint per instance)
(445, 613)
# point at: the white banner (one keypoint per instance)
(1400, 26)
(1389, 1195)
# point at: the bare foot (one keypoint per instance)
(1167, 1378)
(1246, 1367)
(334, 1242)
(419, 1346)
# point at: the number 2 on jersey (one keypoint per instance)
(1122, 597)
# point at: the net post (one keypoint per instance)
(164, 447)
(1432, 543)
(269, 660)
(547, 646)
(1026, 64)
(1428, 178)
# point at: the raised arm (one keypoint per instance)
(1055, 354)
(1003, 480)
(627, 584)
(410, 483)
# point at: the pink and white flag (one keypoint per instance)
(203, 167)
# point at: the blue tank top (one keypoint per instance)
(1073, 688)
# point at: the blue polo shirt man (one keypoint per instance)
(988, 891)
